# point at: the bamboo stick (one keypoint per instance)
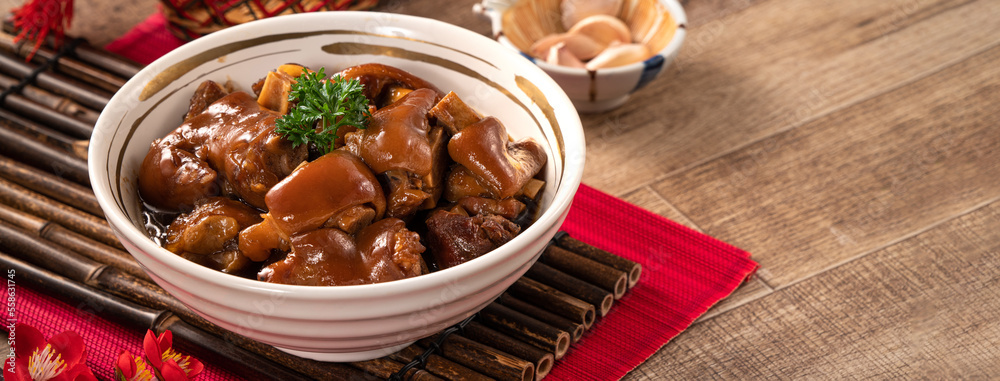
(112, 63)
(556, 301)
(22, 244)
(192, 341)
(383, 368)
(31, 130)
(94, 250)
(525, 328)
(138, 317)
(73, 194)
(84, 94)
(55, 102)
(40, 154)
(437, 365)
(482, 358)
(575, 329)
(80, 149)
(599, 297)
(66, 64)
(100, 58)
(585, 269)
(88, 225)
(49, 117)
(482, 334)
(633, 269)
(73, 241)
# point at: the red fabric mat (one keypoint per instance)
(684, 272)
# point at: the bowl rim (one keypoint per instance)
(562, 107)
(673, 47)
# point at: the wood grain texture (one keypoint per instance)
(924, 308)
(772, 67)
(854, 181)
(455, 12)
(701, 12)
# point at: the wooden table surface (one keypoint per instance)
(851, 146)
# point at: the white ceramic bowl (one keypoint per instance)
(659, 24)
(350, 322)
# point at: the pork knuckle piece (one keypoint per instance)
(452, 113)
(208, 234)
(230, 148)
(502, 166)
(207, 93)
(382, 252)
(462, 183)
(321, 189)
(378, 79)
(396, 137)
(400, 146)
(209, 227)
(455, 238)
(315, 195)
(508, 208)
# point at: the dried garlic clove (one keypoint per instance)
(603, 29)
(619, 55)
(581, 46)
(540, 49)
(575, 10)
(560, 55)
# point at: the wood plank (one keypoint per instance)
(925, 308)
(455, 12)
(701, 12)
(773, 66)
(854, 181)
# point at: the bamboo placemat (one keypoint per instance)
(54, 232)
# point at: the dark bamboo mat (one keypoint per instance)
(54, 231)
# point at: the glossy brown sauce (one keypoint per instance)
(406, 195)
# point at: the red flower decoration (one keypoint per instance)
(132, 368)
(168, 364)
(61, 358)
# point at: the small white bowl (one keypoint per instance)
(346, 323)
(659, 24)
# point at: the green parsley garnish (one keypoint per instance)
(323, 107)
